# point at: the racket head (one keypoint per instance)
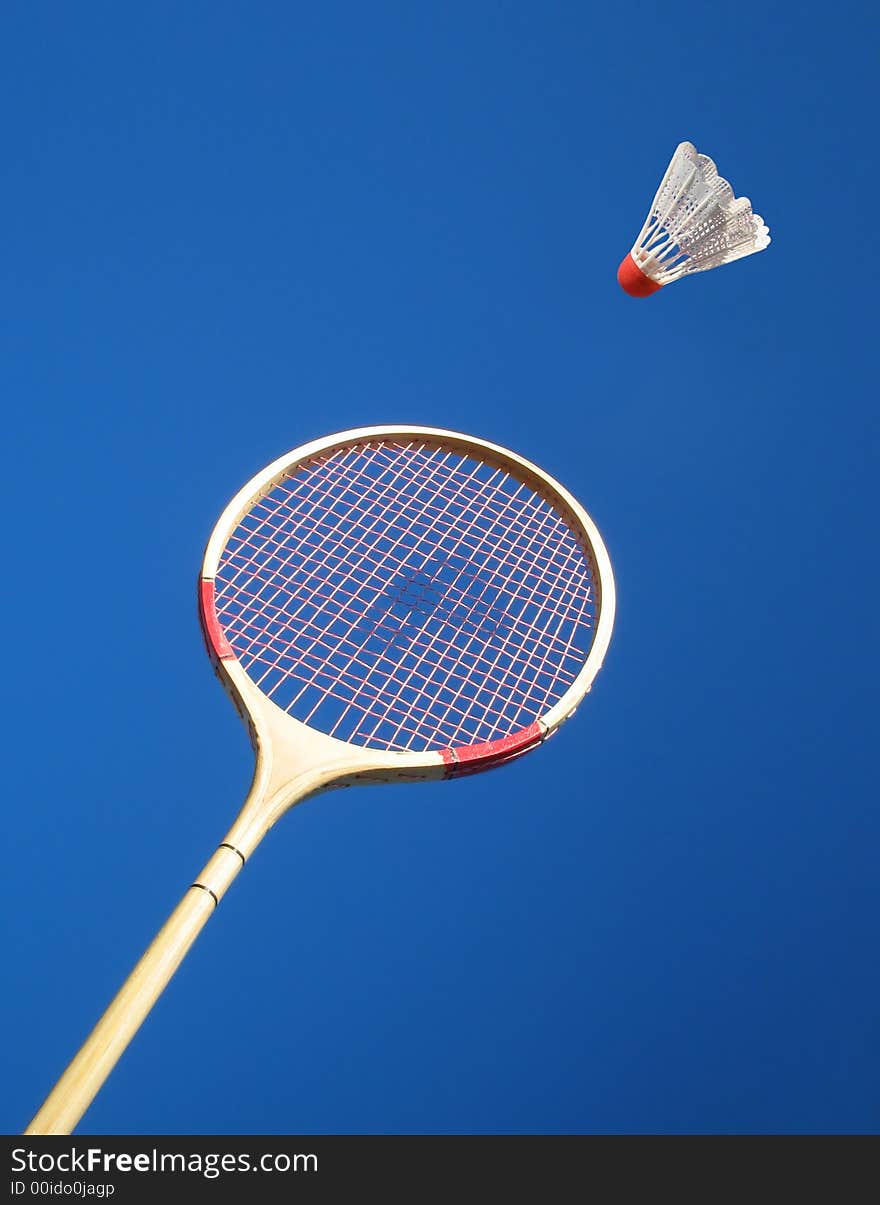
(430, 603)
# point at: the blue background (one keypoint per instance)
(231, 228)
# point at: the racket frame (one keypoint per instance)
(294, 762)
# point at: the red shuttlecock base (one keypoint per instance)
(633, 280)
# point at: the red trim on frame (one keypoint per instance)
(469, 759)
(214, 635)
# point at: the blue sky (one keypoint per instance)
(231, 228)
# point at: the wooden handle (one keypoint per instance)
(101, 1050)
(293, 762)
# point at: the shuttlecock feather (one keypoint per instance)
(694, 223)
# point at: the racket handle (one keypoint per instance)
(78, 1086)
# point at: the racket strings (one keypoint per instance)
(455, 592)
(490, 698)
(321, 666)
(403, 596)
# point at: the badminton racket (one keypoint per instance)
(389, 604)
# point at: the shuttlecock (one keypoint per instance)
(694, 223)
